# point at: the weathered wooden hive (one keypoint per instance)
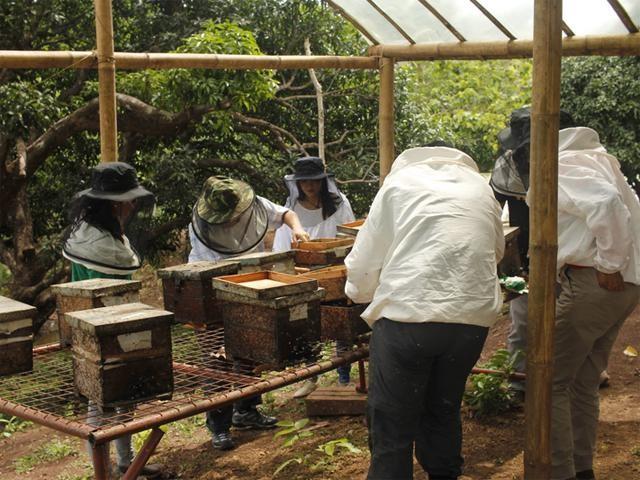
(16, 336)
(187, 292)
(122, 354)
(270, 317)
(339, 318)
(323, 251)
(510, 263)
(283, 262)
(88, 294)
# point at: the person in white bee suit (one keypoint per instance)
(426, 258)
(599, 271)
(321, 207)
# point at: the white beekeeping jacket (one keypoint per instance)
(429, 249)
(598, 212)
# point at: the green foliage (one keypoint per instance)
(465, 103)
(291, 432)
(489, 393)
(604, 93)
(138, 439)
(10, 425)
(5, 277)
(329, 448)
(52, 451)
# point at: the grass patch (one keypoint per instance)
(52, 451)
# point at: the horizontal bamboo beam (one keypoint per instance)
(139, 61)
(574, 46)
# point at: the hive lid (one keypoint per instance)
(274, 303)
(265, 284)
(199, 270)
(96, 287)
(128, 317)
(13, 310)
(261, 258)
(510, 233)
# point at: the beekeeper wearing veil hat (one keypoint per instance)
(228, 220)
(314, 196)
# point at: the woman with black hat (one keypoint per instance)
(100, 244)
(228, 220)
(315, 198)
(321, 207)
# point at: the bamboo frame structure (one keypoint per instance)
(547, 47)
(107, 82)
(619, 45)
(543, 243)
(18, 59)
(385, 117)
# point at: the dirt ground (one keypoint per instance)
(492, 446)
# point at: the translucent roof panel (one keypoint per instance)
(430, 21)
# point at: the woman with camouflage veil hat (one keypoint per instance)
(101, 243)
(229, 219)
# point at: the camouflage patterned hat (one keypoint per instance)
(223, 199)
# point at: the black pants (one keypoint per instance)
(417, 375)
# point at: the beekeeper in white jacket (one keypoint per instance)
(426, 259)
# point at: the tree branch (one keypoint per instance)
(278, 134)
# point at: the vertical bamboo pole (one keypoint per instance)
(385, 117)
(107, 82)
(547, 52)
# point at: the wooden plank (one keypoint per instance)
(96, 287)
(199, 270)
(321, 244)
(351, 228)
(336, 401)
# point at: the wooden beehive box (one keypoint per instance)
(122, 354)
(332, 279)
(510, 264)
(270, 329)
(88, 294)
(283, 262)
(16, 336)
(351, 228)
(187, 292)
(322, 251)
(342, 321)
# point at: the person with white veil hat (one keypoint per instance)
(321, 207)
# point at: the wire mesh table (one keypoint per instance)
(203, 380)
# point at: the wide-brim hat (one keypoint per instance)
(519, 130)
(308, 168)
(115, 181)
(228, 217)
(222, 199)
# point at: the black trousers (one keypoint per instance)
(417, 376)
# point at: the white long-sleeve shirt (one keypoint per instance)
(429, 248)
(598, 212)
(314, 224)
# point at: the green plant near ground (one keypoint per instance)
(188, 426)
(52, 451)
(315, 462)
(291, 431)
(490, 394)
(10, 425)
(138, 439)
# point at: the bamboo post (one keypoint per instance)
(107, 82)
(385, 117)
(543, 248)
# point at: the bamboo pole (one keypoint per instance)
(140, 61)
(547, 34)
(385, 117)
(107, 82)
(574, 46)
